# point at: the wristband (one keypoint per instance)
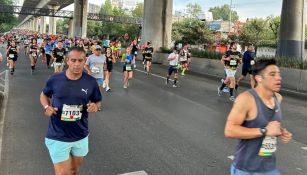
(45, 107)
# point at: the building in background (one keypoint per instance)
(93, 8)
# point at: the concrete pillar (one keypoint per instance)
(52, 21)
(35, 22)
(70, 28)
(80, 18)
(292, 30)
(42, 28)
(31, 25)
(157, 22)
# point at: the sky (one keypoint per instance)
(245, 8)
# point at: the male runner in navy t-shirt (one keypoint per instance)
(67, 98)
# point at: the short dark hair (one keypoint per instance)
(261, 64)
(77, 49)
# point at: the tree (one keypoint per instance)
(253, 31)
(274, 23)
(138, 10)
(7, 21)
(192, 31)
(106, 8)
(62, 26)
(194, 10)
(223, 13)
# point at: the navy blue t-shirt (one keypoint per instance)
(70, 92)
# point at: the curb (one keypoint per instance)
(4, 95)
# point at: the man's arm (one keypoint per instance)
(45, 102)
(237, 115)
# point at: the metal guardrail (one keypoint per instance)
(66, 14)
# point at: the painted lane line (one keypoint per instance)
(231, 157)
(304, 148)
(135, 173)
(153, 75)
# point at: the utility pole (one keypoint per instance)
(230, 15)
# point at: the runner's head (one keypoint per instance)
(97, 50)
(251, 48)
(76, 60)
(108, 50)
(60, 44)
(13, 43)
(233, 46)
(34, 41)
(128, 50)
(267, 74)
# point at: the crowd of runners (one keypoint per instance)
(85, 66)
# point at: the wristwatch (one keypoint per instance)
(263, 131)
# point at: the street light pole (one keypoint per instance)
(230, 15)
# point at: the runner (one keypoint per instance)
(255, 119)
(183, 58)
(110, 60)
(48, 51)
(74, 94)
(230, 60)
(248, 62)
(173, 66)
(148, 57)
(33, 54)
(12, 52)
(59, 54)
(128, 60)
(95, 66)
(26, 45)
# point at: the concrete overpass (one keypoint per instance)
(157, 20)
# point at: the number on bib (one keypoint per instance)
(71, 113)
(268, 147)
(233, 62)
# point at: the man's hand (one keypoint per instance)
(92, 107)
(273, 129)
(285, 136)
(49, 111)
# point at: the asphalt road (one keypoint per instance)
(148, 127)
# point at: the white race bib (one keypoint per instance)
(135, 52)
(11, 55)
(268, 147)
(233, 62)
(71, 113)
(34, 54)
(57, 64)
(128, 67)
(252, 62)
(95, 70)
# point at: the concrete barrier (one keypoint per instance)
(293, 79)
(4, 92)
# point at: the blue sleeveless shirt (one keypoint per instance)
(246, 156)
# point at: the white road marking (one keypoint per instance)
(231, 157)
(153, 75)
(135, 173)
(304, 148)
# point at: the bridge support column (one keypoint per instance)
(52, 21)
(35, 22)
(80, 18)
(292, 30)
(42, 28)
(32, 24)
(157, 22)
(70, 28)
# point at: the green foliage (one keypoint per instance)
(274, 23)
(106, 8)
(138, 11)
(7, 21)
(223, 13)
(198, 53)
(193, 10)
(292, 63)
(192, 31)
(253, 31)
(62, 26)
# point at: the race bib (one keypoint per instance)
(95, 70)
(11, 55)
(128, 67)
(252, 62)
(268, 147)
(71, 113)
(57, 64)
(66, 49)
(60, 54)
(34, 54)
(233, 62)
(135, 52)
